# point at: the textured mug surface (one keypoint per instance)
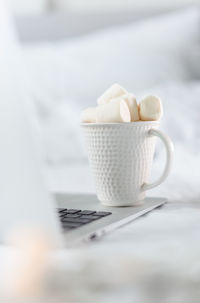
(120, 156)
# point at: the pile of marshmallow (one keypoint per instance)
(117, 105)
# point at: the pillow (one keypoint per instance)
(181, 103)
(138, 56)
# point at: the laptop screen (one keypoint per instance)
(25, 202)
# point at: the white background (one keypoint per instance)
(35, 6)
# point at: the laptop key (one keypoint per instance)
(76, 220)
(69, 219)
(90, 217)
(83, 220)
(61, 210)
(102, 213)
(62, 214)
(73, 211)
(71, 225)
(72, 215)
(87, 212)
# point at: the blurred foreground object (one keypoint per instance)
(25, 202)
(25, 272)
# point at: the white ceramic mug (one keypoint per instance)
(120, 156)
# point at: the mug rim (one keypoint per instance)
(136, 123)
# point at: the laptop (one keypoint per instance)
(68, 219)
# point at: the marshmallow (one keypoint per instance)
(113, 92)
(132, 105)
(150, 109)
(89, 115)
(112, 112)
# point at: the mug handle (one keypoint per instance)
(169, 153)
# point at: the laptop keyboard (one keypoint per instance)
(74, 218)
